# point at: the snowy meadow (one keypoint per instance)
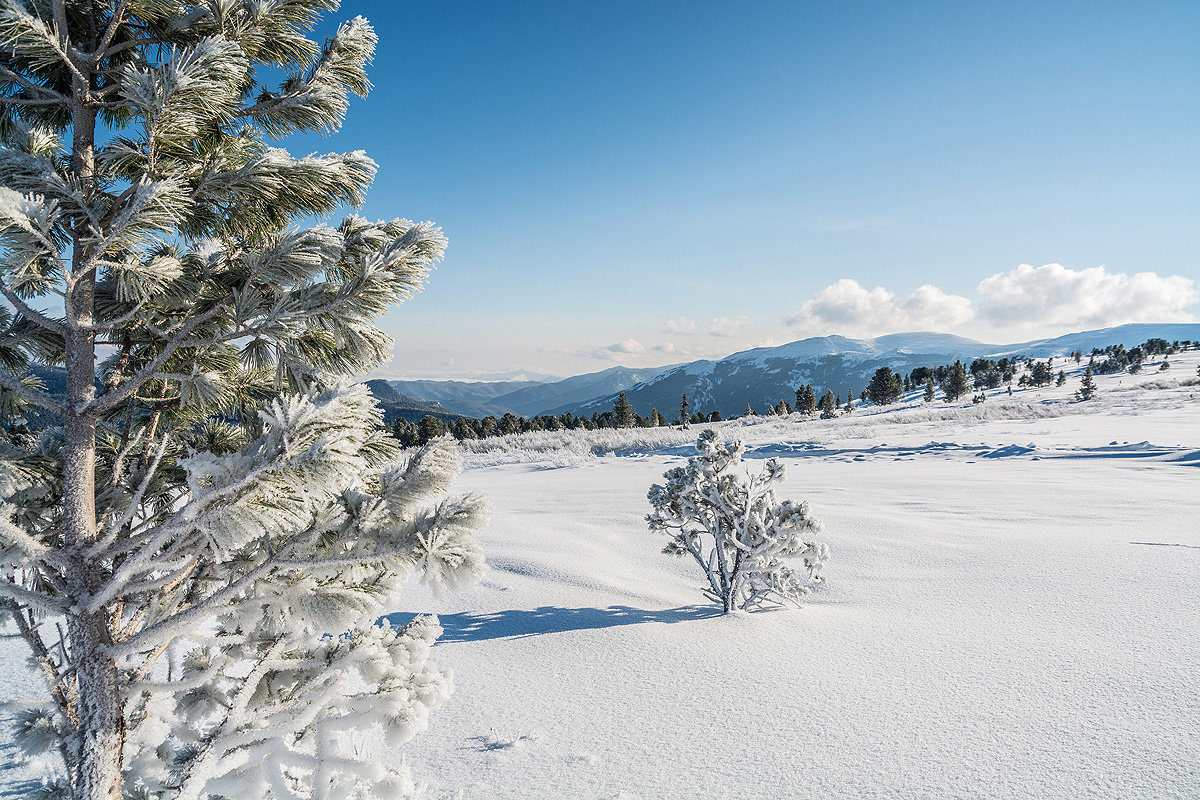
(1010, 611)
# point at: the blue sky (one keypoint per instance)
(652, 182)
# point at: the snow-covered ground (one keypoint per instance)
(1012, 610)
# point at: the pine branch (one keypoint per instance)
(30, 395)
(28, 101)
(32, 599)
(213, 605)
(113, 324)
(110, 31)
(134, 502)
(5, 72)
(55, 674)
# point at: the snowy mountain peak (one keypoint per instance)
(763, 376)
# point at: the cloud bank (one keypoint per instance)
(1046, 297)
(1089, 298)
(849, 309)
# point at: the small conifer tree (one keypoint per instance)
(828, 405)
(957, 382)
(623, 412)
(1087, 386)
(885, 387)
(929, 394)
(806, 400)
(430, 428)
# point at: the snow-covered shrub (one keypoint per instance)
(732, 525)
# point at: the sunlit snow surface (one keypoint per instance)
(1012, 610)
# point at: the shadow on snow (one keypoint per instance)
(520, 623)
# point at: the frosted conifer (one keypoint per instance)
(1087, 385)
(734, 528)
(209, 500)
(623, 413)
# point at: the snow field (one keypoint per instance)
(1010, 612)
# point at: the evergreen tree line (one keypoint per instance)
(622, 415)
(1115, 358)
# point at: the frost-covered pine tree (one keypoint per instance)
(957, 382)
(208, 500)
(828, 405)
(735, 529)
(623, 414)
(1087, 385)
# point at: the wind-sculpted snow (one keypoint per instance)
(1009, 613)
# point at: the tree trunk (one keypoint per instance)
(101, 734)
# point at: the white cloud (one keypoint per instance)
(725, 326)
(683, 325)
(1052, 295)
(849, 309)
(626, 347)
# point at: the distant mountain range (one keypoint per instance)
(759, 377)
(762, 376)
(524, 398)
(766, 375)
(396, 404)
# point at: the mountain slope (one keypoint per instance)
(539, 399)
(472, 398)
(396, 404)
(1127, 335)
(524, 398)
(763, 376)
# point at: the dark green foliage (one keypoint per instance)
(806, 400)
(430, 428)
(957, 383)
(1040, 374)
(623, 414)
(1087, 386)
(885, 387)
(828, 405)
